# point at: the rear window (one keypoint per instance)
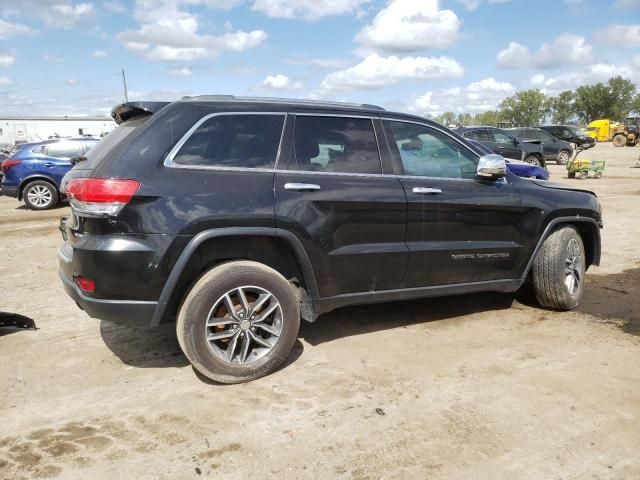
(102, 148)
(246, 141)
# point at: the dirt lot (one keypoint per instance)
(481, 386)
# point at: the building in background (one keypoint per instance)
(32, 129)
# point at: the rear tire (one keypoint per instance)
(40, 195)
(619, 140)
(558, 270)
(563, 157)
(242, 349)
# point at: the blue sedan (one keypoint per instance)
(34, 170)
(517, 167)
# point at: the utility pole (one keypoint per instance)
(124, 83)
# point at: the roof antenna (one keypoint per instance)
(124, 84)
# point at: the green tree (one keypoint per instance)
(487, 118)
(526, 108)
(635, 105)
(561, 107)
(447, 118)
(464, 119)
(622, 93)
(592, 102)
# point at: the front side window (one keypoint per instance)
(63, 150)
(248, 141)
(335, 144)
(427, 152)
(481, 135)
(501, 137)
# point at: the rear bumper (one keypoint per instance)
(9, 191)
(119, 311)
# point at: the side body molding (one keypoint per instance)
(174, 276)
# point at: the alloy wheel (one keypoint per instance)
(573, 267)
(244, 325)
(39, 196)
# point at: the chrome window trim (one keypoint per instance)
(362, 117)
(169, 159)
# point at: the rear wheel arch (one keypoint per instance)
(275, 248)
(35, 178)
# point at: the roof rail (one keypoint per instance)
(289, 101)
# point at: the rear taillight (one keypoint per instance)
(100, 197)
(7, 164)
(85, 284)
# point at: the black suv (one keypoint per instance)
(505, 144)
(576, 136)
(553, 149)
(240, 216)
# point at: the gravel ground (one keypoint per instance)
(481, 386)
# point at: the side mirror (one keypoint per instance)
(491, 167)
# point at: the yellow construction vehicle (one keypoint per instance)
(602, 130)
(627, 134)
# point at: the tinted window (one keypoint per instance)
(234, 141)
(545, 135)
(501, 137)
(430, 153)
(479, 135)
(335, 144)
(64, 150)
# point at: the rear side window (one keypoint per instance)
(501, 137)
(248, 141)
(64, 150)
(335, 144)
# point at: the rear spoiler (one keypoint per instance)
(126, 111)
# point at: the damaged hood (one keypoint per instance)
(560, 186)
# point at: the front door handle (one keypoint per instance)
(302, 187)
(49, 164)
(426, 190)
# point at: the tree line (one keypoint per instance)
(611, 100)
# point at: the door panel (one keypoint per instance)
(503, 145)
(350, 220)
(459, 229)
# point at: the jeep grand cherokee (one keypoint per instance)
(240, 216)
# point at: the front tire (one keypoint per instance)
(558, 270)
(533, 160)
(239, 322)
(563, 157)
(619, 140)
(40, 195)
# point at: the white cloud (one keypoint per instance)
(114, 6)
(99, 53)
(620, 35)
(181, 72)
(323, 63)
(599, 72)
(7, 59)
(472, 5)
(280, 82)
(567, 48)
(5, 81)
(377, 72)
(52, 58)
(410, 26)
(476, 97)
(308, 9)
(8, 29)
(176, 38)
(156, 10)
(627, 4)
(61, 14)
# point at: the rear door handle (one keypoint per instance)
(302, 187)
(49, 164)
(426, 190)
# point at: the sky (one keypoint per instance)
(65, 57)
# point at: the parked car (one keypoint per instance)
(553, 149)
(518, 167)
(578, 137)
(240, 216)
(505, 144)
(34, 170)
